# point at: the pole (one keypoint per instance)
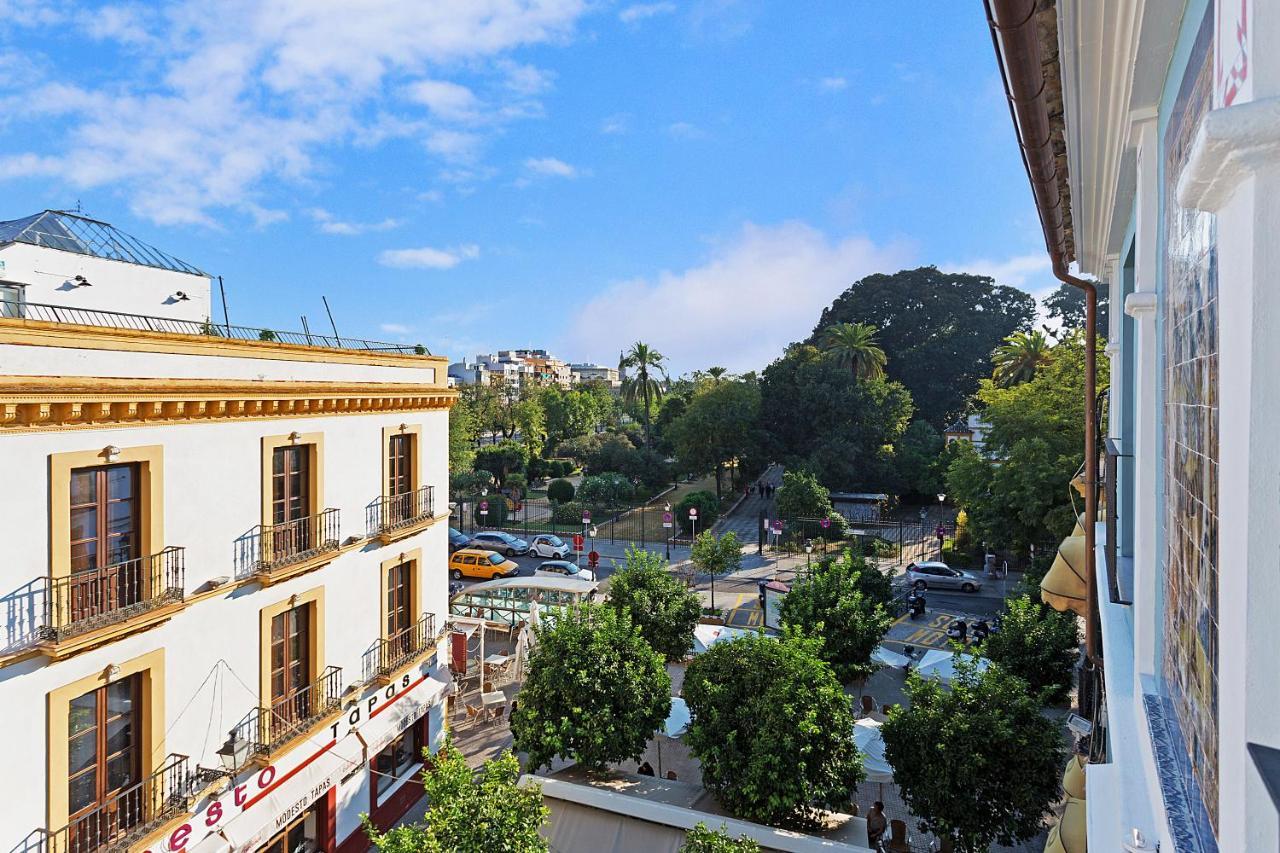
(330, 313)
(226, 318)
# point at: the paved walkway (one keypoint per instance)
(745, 517)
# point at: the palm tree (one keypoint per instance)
(855, 344)
(1019, 357)
(717, 373)
(643, 388)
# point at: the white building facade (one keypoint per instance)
(225, 579)
(1168, 144)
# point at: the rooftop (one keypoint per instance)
(73, 232)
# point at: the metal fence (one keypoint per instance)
(388, 654)
(268, 729)
(268, 547)
(130, 814)
(396, 512)
(89, 599)
(635, 523)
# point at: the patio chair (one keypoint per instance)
(473, 713)
(898, 841)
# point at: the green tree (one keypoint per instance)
(716, 556)
(919, 461)
(596, 691)
(662, 607)
(717, 374)
(772, 729)
(818, 417)
(464, 435)
(1067, 305)
(610, 490)
(643, 388)
(708, 511)
(1037, 644)
(876, 585)
(701, 839)
(1019, 357)
(854, 345)
(505, 457)
(802, 496)
(829, 603)
(720, 424)
(530, 420)
(469, 483)
(976, 762)
(937, 330)
(560, 491)
(469, 810)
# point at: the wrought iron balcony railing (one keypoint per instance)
(46, 313)
(391, 653)
(268, 729)
(275, 546)
(129, 815)
(396, 512)
(85, 600)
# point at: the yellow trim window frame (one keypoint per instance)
(313, 600)
(315, 469)
(413, 559)
(415, 451)
(150, 668)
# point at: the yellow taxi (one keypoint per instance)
(478, 563)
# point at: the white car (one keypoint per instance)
(550, 546)
(935, 574)
(564, 569)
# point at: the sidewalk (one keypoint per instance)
(745, 518)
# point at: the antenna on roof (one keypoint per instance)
(78, 210)
(226, 318)
(306, 330)
(330, 313)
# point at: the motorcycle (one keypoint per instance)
(958, 631)
(915, 604)
(980, 632)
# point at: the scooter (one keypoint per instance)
(958, 631)
(980, 632)
(915, 604)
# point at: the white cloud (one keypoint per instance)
(758, 291)
(833, 84)
(551, 167)
(616, 124)
(1030, 272)
(394, 328)
(685, 130)
(227, 104)
(428, 257)
(641, 11)
(328, 224)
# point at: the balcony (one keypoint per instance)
(268, 730)
(130, 815)
(84, 607)
(387, 655)
(397, 516)
(275, 552)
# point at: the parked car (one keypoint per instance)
(550, 546)
(479, 563)
(939, 575)
(457, 540)
(564, 569)
(500, 541)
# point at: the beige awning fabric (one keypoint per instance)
(1078, 530)
(1073, 777)
(1063, 587)
(1069, 834)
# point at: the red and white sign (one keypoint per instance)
(1233, 83)
(577, 541)
(693, 512)
(586, 516)
(256, 807)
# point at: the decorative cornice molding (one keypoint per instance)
(50, 403)
(1231, 144)
(1136, 305)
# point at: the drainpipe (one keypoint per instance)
(1016, 39)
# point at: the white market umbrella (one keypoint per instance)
(706, 636)
(866, 734)
(887, 657)
(675, 726)
(941, 664)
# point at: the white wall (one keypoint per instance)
(212, 496)
(115, 285)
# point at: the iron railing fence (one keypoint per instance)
(396, 512)
(48, 313)
(388, 654)
(85, 600)
(268, 729)
(130, 814)
(274, 546)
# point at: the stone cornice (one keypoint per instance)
(1231, 144)
(46, 403)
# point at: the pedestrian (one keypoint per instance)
(876, 824)
(671, 774)
(646, 769)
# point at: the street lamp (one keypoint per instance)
(666, 513)
(808, 550)
(941, 522)
(593, 539)
(234, 752)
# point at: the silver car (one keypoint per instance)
(938, 575)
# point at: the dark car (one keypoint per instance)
(502, 543)
(457, 540)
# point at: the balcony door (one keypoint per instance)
(290, 667)
(106, 569)
(400, 478)
(400, 608)
(291, 499)
(104, 765)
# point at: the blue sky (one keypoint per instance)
(473, 174)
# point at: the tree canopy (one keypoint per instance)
(1037, 644)
(596, 691)
(643, 387)
(1019, 357)
(976, 762)
(719, 424)
(662, 607)
(469, 810)
(829, 603)
(937, 330)
(702, 839)
(854, 345)
(772, 728)
(802, 496)
(1067, 305)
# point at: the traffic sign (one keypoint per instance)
(484, 507)
(586, 516)
(693, 512)
(941, 532)
(577, 541)
(766, 524)
(826, 522)
(666, 519)
(777, 527)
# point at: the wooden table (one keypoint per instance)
(493, 699)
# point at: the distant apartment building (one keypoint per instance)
(596, 373)
(224, 560)
(513, 368)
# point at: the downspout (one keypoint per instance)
(1015, 36)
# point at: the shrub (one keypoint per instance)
(1037, 644)
(708, 510)
(569, 512)
(610, 489)
(538, 469)
(560, 491)
(702, 839)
